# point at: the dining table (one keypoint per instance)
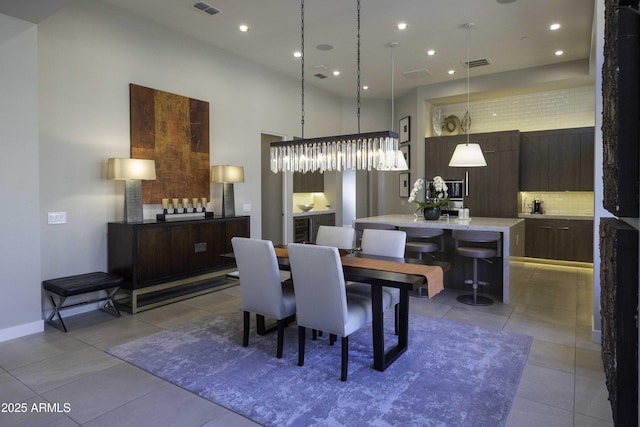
(405, 274)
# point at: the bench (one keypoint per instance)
(65, 287)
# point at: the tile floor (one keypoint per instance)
(563, 383)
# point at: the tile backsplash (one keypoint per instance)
(559, 202)
(551, 109)
(318, 199)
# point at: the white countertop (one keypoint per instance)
(555, 216)
(313, 212)
(452, 223)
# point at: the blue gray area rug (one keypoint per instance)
(453, 374)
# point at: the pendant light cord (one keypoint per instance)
(467, 118)
(302, 63)
(393, 78)
(358, 82)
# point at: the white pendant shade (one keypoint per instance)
(467, 156)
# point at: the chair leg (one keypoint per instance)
(345, 358)
(281, 325)
(245, 331)
(332, 338)
(314, 334)
(301, 339)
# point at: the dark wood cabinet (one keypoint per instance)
(557, 160)
(310, 182)
(151, 253)
(318, 220)
(493, 190)
(560, 239)
(305, 227)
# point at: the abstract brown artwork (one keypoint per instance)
(173, 130)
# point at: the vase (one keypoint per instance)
(431, 213)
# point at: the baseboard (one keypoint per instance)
(19, 331)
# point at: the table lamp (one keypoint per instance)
(132, 172)
(227, 175)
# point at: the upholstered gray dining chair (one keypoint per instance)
(260, 286)
(321, 298)
(387, 243)
(338, 237)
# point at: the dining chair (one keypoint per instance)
(338, 237)
(260, 286)
(361, 226)
(321, 298)
(475, 251)
(387, 243)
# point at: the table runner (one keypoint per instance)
(433, 274)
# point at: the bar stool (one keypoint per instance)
(417, 242)
(476, 252)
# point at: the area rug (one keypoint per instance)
(452, 374)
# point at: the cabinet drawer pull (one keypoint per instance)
(563, 228)
(545, 226)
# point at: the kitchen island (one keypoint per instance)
(512, 230)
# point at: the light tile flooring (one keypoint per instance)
(563, 383)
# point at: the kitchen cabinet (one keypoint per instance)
(557, 160)
(493, 190)
(560, 239)
(310, 182)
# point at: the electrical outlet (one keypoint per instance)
(57, 217)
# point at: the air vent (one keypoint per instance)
(477, 63)
(320, 76)
(417, 74)
(206, 8)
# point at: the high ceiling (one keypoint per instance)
(511, 34)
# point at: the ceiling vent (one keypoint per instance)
(206, 8)
(320, 76)
(477, 63)
(417, 74)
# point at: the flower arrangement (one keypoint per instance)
(437, 194)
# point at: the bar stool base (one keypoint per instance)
(480, 300)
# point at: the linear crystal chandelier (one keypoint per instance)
(361, 151)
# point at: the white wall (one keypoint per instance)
(20, 310)
(87, 55)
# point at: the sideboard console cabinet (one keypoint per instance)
(157, 258)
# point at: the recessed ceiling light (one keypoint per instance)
(506, 1)
(336, 73)
(431, 52)
(554, 27)
(559, 52)
(524, 39)
(402, 26)
(365, 87)
(297, 54)
(243, 28)
(451, 72)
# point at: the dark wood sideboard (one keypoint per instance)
(162, 262)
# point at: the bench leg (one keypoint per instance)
(110, 305)
(56, 312)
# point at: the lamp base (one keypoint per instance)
(228, 203)
(133, 200)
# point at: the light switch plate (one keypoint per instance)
(246, 207)
(57, 218)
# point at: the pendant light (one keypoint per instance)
(467, 155)
(361, 151)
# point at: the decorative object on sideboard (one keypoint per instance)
(468, 154)
(227, 176)
(132, 171)
(451, 125)
(184, 214)
(361, 151)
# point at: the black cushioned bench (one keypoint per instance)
(81, 284)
